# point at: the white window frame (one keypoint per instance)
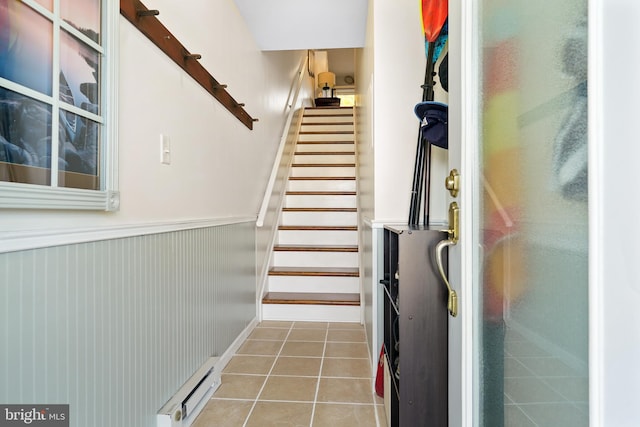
(31, 196)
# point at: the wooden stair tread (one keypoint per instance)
(311, 298)
(322, 178)
(316, 248)
(323, 165)
(325, 153)
(325, 142)
(327, 132)
(315, 271)
(335, 114)
(319, 209)
(329, 108)
(318, 227)
(321, 193)
(328, 123)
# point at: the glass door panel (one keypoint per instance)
(533, 258)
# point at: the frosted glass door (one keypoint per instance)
(531, 304)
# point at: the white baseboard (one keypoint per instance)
(225, 358)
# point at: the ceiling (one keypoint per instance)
(305, 24)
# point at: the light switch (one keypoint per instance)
(165, 150)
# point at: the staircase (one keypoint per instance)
(315, 274)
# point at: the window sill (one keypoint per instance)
(27, 196)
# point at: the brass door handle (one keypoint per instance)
(452, 300)
(454, 233)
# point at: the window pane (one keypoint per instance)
(25, 139)
(79, 74)
(46, 3)
(79, 142)
(83, 15)
(25, 47)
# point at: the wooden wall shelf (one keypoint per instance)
(146, 22)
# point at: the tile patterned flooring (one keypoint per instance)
(542, 390)
(294, 374)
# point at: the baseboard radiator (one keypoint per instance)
(183, 408)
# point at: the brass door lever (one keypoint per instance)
(454, 234)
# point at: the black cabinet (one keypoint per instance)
(415, 328)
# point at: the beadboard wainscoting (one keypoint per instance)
(114, 327)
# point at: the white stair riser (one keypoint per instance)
(311, 313)
(319, 218)
(327, 128)
(317, 201)
(317, 237)
(314, 259)
(326, 137)
(333, 285)
(325, 147)
(324, 158)
(322, 185)
(323, 171)
(327, 111)
(327, 119)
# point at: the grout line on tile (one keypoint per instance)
(347, 358)
(266, 378)
(348, 403)
(293, 376)
(247, 374)
(315, 399)
(347, 378)
(285, 401)
(527, 416)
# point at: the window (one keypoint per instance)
(58, 104)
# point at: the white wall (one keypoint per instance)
(364, 122)
(219, 167)
(399, 61)
(389, 72)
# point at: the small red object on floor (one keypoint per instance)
(380, 374)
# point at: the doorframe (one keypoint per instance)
(463, 61)
(595, 207)
(614, 208)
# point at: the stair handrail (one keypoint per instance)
(283, 142)
(292, 105)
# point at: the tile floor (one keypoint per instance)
(541, 390)
(297, 374)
